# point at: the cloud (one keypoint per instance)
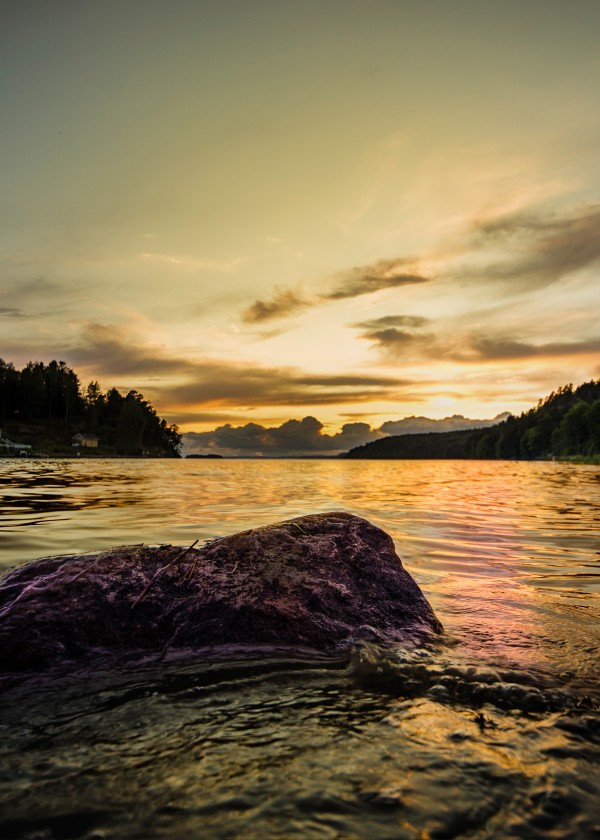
(193, 263)
(498, 348)
(353, 282)
(394, 335)
(283, 303)
(110, 352)
(383, 274)
(39, 298)
(229, 384)
(402, 336)
(413, 321)
(548, 247)
(392, 339)
(29, 291)
(182, 417)
(306, 436)
(294, 437)
(423, 425)
(541, 249)
(401, 344)
(579, 222)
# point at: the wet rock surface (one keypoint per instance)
(313, 582)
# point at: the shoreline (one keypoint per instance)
(584, 460)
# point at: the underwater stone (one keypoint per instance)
(314, 581)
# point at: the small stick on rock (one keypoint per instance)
(99, 558)
(161, 570)
(299, 528)
(87, 568)
(190, 572)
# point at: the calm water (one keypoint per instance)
(494, 732)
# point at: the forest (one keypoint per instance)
(565, 424)
(45, 405)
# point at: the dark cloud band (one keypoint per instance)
(354, 282)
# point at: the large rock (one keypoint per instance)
(314, 582)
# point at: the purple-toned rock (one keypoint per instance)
(312, 582)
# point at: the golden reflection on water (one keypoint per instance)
(507, 552)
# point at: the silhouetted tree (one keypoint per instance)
(94, 402)
(130, 428)
(9, 386)
(52, 394)
(567, 422)
(571, 436)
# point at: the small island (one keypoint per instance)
(210, 455)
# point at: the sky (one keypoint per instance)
(256, 212)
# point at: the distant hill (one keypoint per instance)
(566, 423)
(421, 425)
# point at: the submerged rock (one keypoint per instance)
(314, 581)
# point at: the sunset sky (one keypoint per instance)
(258, 211)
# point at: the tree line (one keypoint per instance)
(566, 423)
(52, 395)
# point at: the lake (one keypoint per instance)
(491, 732)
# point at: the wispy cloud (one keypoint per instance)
(193, 263)
(542, 248)
(396, 335)
(28, 291)
(383, 274)
(391, 333)
(283, 303)
(234, 385)
(179, 382)
(353, 282)
(496, 348)
(402, 337)
(387, 321)
(113, 351)
(38, 297)
(186, 417)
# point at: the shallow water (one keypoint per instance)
(491, 732)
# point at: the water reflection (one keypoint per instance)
(487, 735)
(507, 552)
(281, 753)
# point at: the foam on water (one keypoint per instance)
(420, 671)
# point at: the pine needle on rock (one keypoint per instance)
(162, 569)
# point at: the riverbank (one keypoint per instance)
(55, 440)
(86, 455)
(594, 460)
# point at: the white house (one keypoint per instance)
(82, 439)
(7, 444)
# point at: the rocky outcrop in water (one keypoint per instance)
(311, 582)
